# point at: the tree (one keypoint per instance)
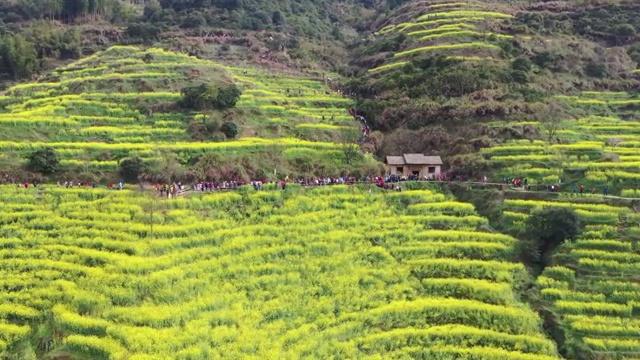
(546, 229)
(206, 97)
(18, 56)
(131, 169)
(44, 161)
(229, 129)
(277, 19)
(197, 97)
(348, 142)
(227, 97)
(551, 117)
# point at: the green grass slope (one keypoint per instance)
(322, 273)
(123, 102)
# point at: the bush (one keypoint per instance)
(546, 229)
(227, 97)
(207, 97)
(229, 129)
(44, 161)
(143, 31)
(595, 69)
(131, 169)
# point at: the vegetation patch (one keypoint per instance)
(102, 265)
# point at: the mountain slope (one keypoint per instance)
(125, 102)
(433, 74)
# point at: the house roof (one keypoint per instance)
(414, 159)
(395, 160)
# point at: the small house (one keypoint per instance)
(425, 167)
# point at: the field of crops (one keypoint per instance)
(456, 29)
(96, 108)
(597, 290)
(322, 273)
(595, 150)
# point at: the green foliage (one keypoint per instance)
(521, 64)
(229, 129)
(545, 230)
(208, 97)
(131, 169)
(227, 96)
(595, 69)
(18, 56)
(44, 161)
(145, 32)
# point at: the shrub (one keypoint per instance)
(206, 97)
(546, 229)
(229, 129)
(44, 161)
(131, 169)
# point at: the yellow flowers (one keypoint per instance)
(471, 45)
(105, 113)
(451, 21)
(463, 13)
(388, 66)
(305, 272)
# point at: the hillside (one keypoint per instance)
(38, 36)
(535, 102)
(125, 276)
(432, 75)
(593, 282)
(124, 103)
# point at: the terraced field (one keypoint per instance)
(597, 290)
(596, 150)
(328, 272)
(461, 30)
(121, 102)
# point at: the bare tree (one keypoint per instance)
(550, 118)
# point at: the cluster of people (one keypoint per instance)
(443, 176)
(120, 186)
(516, 182)
(215, 185)
(327, 181)
(389, 182)
(70, 184)
(170, 190)
(365, 129)
(581, 189)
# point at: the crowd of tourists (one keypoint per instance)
(389, 182)
(364, 126)
(523, 183)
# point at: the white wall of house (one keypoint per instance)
(422, 170)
